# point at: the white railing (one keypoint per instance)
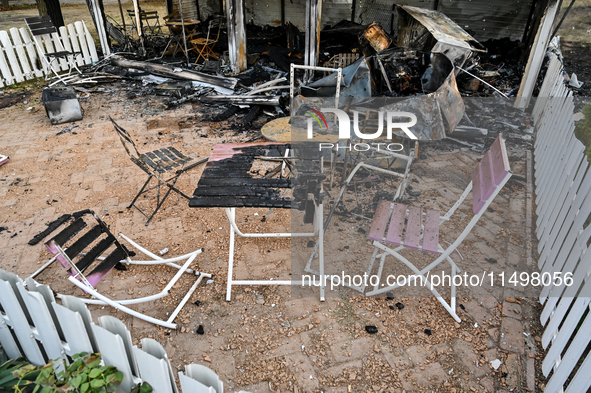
(20, 59)
(33, 325)
(563, 205)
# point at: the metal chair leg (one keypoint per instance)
(140, 193)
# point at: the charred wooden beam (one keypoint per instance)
(169, 71)
(244, 100)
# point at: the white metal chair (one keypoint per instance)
(40, 28)
(393, 221)
(87, 245)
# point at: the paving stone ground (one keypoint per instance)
(265, 340)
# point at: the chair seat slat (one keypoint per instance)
(477, 200)
(380, 221)
(500, 160)
(394, 235)
(431, 232)
(95, 252)
(84, 241)
(61, 238)
(488, 178)
(412, 237)
(103, 268)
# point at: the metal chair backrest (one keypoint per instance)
(40, 25)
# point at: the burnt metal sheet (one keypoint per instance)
(438, 113)
(420, 29)
(355, 82)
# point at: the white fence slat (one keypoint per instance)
(154, 371)
(46, 330)
(74, 330)
(582, 379)
(7, 78)
(32, 52)
(64, 38)
(20, 324)
(154, 348)
(205, 375)
(75, 45)
(20, 51)
(72, 303)
(91, 45)
(82, 41)
(115, 326)
(7, 340)
(47, 293)
(569, 360)
(11, 55)
(59, 47)
(559, 231)
(49, 47)
(569, 166)
(113, 352)
(575, 263)
(565, 198)
(565, 302)
(567, 235)
(189, 385)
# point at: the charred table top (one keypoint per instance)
(229, 181)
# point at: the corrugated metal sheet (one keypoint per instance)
(489, 19)
(268, 12)
(484, 19)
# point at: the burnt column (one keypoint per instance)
(55, 12)
(313, 17)
(236, 35)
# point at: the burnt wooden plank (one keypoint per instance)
(84, 240)
(245, 182)
(236, 191)
(105, 266)
(95, 252)
(229, 201)
(69, 232)
(221, 173)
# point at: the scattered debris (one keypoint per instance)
(496, 364)
(200, 330)
(4, 159)
(371, 329)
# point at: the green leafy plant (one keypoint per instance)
(17, 375)
(84, 375)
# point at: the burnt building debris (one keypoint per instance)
(429, 60)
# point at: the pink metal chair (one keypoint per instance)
(421, 231)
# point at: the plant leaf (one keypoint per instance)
(94, 373)
(96, 383)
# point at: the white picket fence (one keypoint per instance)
(20, 59)
(563, 189)
(33, 325)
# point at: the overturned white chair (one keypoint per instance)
(394, 221)
(87, 245)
